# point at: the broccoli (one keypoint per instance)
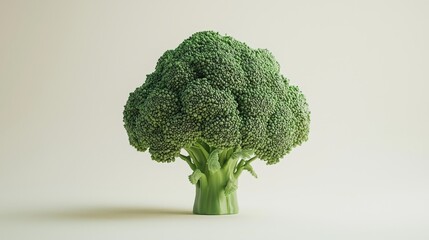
(218, 105)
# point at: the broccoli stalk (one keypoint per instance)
(215, 175)
(223, 103)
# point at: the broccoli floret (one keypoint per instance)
(223, 103)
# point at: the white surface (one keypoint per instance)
(68, 172)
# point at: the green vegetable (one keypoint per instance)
(222, 103)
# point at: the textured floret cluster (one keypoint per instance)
(217, 90)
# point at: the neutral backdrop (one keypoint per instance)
(68, 172)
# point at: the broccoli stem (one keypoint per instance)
(211, 197)
(188, 160)
(215, 183)
(242, 165)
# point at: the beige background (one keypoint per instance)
(68, 172)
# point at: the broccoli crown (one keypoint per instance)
(216, 89)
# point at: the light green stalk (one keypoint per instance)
(215, 175)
